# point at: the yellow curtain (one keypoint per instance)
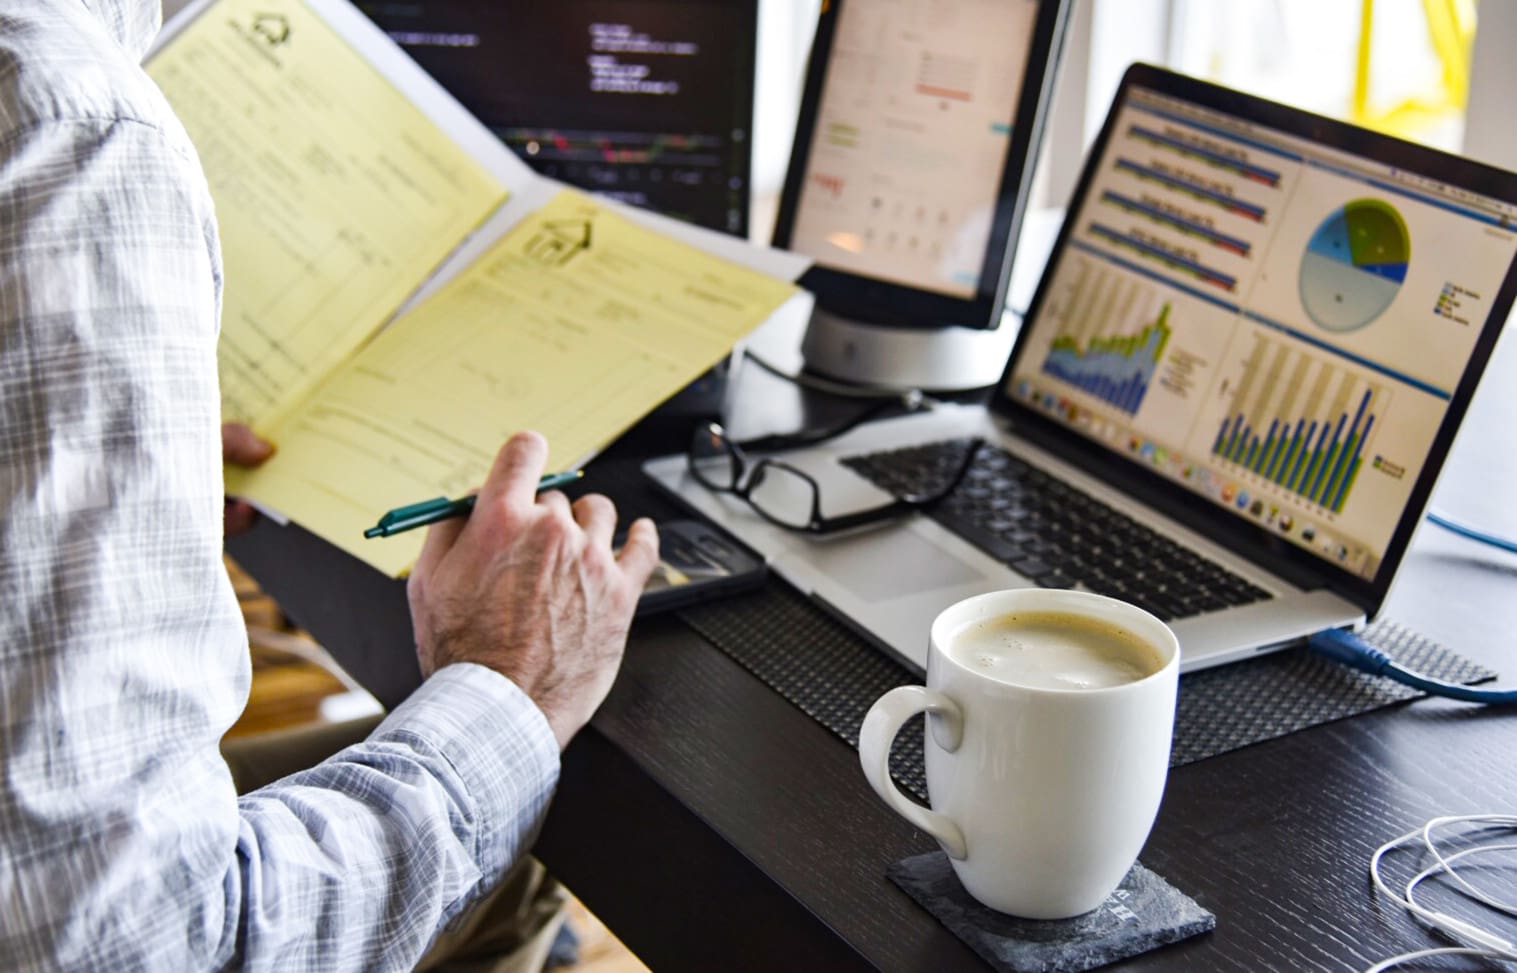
(1451, 33)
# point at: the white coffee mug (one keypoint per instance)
(1042, 797)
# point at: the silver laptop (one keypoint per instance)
(1255, 337)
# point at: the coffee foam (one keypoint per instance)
(1053, 650)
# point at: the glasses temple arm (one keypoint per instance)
(943, 492)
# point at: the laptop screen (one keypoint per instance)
(1277, 325)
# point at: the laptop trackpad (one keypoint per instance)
(883, 564)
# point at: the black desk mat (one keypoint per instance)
(833, 675)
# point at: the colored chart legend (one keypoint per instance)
(1300, 423)
(1114, 368)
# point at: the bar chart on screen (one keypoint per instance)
(1115, 329)
(1301, 422)
(1186, 204)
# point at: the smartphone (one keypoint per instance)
(697, 562)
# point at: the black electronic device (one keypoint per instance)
(646, 101)
(698, 561)
(910, 171)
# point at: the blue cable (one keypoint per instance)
(1349, 649)
(1465, 530)
(1344, 646)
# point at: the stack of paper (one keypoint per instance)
(350, 187)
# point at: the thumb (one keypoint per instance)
(242, 447)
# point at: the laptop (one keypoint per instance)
(1242, 370)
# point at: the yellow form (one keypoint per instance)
(336, 196)
(576, 324)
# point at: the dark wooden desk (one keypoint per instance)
(713, 826)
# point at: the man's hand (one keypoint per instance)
(528, 586)
(241, 447)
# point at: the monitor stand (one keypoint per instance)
(946, 359)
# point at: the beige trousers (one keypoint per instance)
(510, 930)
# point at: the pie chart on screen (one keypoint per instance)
(1354, 265)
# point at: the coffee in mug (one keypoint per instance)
(1049, 716)
(1053, 650)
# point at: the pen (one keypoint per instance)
(441, 508)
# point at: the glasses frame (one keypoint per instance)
(748, 473)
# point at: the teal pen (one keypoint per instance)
(441, 508)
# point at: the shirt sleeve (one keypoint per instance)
(123, 845)
(411, 824)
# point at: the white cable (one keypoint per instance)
(1443, 866)
(1424, 953)
(1485, 943)
(1490, 821)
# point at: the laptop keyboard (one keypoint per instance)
(1056, 534)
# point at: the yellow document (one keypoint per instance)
(576, 324)
(336, 196)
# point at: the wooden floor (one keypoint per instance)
(289, 690)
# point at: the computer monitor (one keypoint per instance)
(646, 101)
(909, 172)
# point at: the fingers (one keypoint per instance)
(639, 556)
(557, 505)
(512, 487)
(441, 537)
(242, 447)
(238, 518)
(514, 476)
(596, 516)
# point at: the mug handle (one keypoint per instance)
(883, 721)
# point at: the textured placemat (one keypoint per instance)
(834, 676)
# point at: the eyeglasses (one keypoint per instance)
(789, 497)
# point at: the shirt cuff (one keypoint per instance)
(500, 745)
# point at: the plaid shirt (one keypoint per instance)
(123, 658)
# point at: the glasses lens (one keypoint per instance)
(782, 494)
(712, 460)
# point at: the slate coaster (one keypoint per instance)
(1144, 912)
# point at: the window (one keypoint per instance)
(1400, 66)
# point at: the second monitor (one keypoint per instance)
(908, 177)
(646, 101)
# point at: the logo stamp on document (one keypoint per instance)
(559, 241)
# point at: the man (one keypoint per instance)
(122, 653)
